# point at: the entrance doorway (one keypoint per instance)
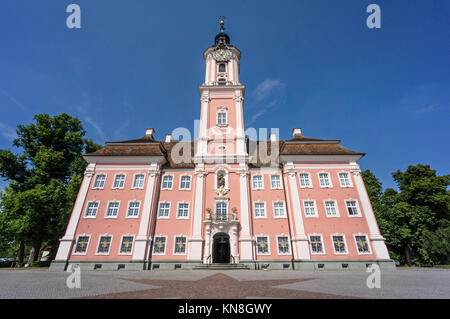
(221, 248)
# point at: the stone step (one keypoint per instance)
(222, 267)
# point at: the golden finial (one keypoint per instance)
(222, 23)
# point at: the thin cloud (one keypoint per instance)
(427, 109)
(82, 109)
(14, 100)
(7, 132)
(268, 95)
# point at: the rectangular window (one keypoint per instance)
(275, 181)
(257, 182)
(139, 181)
(362, 244)
(278, 209)
(339, 244)
(262, 244)
(185, 182)
(167, 182)
(133, 209)
(100, 181)
(344, 179)
(305, 181)
(164, 209)
(260, 210)
(183, 210)
(330, 207)
(159, 245)
(127, 244)
(180, 245)
(324, 179)
(221, 118)
(82, 244)
(104, 244)
(119, 181)
(91, 210)
(283, 245)
(113, 209)
(310, 208)
(316, 244)
(352, 208)
(221, 211)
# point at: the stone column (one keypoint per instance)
(196, 240)
(245, 239)
(207, 258)
(301, 249)
(375, 236)
(66, 242)
(142, 239)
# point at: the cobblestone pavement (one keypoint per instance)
(404, 283)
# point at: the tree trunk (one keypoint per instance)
(34, 252)
(21, 254)
(408, 255)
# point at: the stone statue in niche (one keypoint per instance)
(220, 179)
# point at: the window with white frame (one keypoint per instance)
(159, 245)
(183, 210)
(275, 181)
(352, 207)
(104, 244)
(127, 245)
(339, 244)
(324, 179)
(167, 182)
(139, 181)
(260, 209)
(185, 182)
(316, 244)
(222, 67)
(164, 209)
(119, 181)
(113, 209)
(222, 118)
(330, 207)
(133, 209)
(344, 179)
(278, 209)
(310, 208)
(283, 245)
(305, 180)
(262, 243)
(221, 210)
(362, 244)
(180, 245)
(258, 182)
(91, 210)
(100, 181)
(82, 244)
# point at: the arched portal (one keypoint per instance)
(221, 248)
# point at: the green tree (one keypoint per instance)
(43, 180)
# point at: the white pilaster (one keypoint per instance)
(300, 240)
(66, 242)
(196, 240)
(142, 239)
(230, 68)
(240, 139)
(208, 68)
(245, 239)
(375, 236)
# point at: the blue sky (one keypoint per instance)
(310, 64)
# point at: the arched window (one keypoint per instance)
(222, 67)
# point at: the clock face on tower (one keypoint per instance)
(222, 55)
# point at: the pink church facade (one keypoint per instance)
(223, 198)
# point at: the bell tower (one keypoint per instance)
(221, 134)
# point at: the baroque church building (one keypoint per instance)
(222, 200)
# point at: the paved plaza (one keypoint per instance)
(186, 284)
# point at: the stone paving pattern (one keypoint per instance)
(404, 283)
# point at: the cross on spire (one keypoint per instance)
(222, 18)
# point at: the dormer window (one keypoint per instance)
(222, 67)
